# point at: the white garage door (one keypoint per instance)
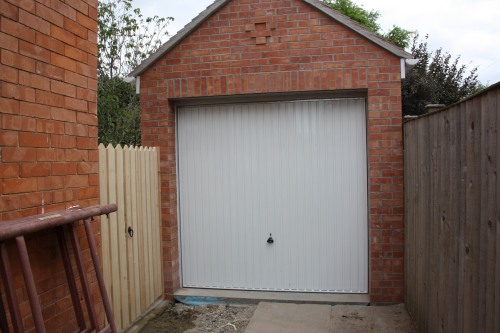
(294, 170)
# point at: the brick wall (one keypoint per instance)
(270, 46)
(48, 135)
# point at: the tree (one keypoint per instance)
(125, 39)
(369, 19)
(438, 78)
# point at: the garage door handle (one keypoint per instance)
(270, 240)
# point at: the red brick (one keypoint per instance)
(9, 42)
(28, 5)
(18, 30)
(50, 43)
(49, 71)
(64, 9)
(34, 110)
(17, 61)
(8, 203)
(9, 170)
(50, 99)
(76, 104)
(49, 15)
(37, 140)
(18, 92)
(80, 6)
(62, 88)
(9, 10)
(50, 183)
(86, 193)
(63, 141)
(86, 45)
(87, 22)
(49, 126)
(64, 168)
(88, 119)
(34, 81)
(62, 35)
(86, 143)
(16, 123)
(76, 155)
(75, 28)
(34, 22)
(85, 168)
(63, 62)
(63, 114)
(79, 181)
(76, 129)
(9, 138)
(35, 170)
(94, 179)
(8, 74)
(75, 53)
(49, 155)
(76, 79)
(8, 105)
(11, 186)
(86, 70)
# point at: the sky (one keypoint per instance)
(466, 28)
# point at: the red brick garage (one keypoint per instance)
(218, 99)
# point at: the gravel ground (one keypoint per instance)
(180, 318)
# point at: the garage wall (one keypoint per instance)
(303, 50)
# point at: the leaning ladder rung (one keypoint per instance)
(17, 229)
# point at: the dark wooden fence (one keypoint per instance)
(452, 219)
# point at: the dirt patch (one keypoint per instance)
(180, 318)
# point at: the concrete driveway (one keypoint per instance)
(314, 318)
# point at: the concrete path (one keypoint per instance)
(313, 318)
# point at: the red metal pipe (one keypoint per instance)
(28, 225)
(100, 278)
(83, 277)
(36, 310)
(77, 306)
(10, 292)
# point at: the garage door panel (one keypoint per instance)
(293, 169)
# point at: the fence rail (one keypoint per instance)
(452, 219)
(131, 247)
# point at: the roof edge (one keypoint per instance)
(214, 7)
(178, 37)
(350, 23)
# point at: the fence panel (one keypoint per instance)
(132, 264)
(452, 217)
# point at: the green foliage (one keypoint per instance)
(125, 39)
(369, 19)
(118, 112)
(438, 78)
(399, 36)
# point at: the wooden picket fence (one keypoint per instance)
(131, 247)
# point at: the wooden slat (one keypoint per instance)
(113, 239)
(103, 194)
(129, 240)
(158, 229)
(496, 309)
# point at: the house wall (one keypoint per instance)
(251, 47)
(48, 137)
